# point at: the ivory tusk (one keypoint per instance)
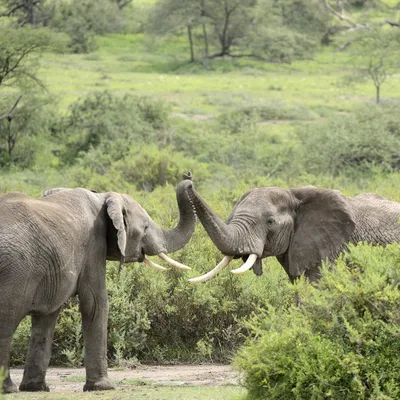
(225, 261)
(172, 262)
(153, 265)
(247, 265)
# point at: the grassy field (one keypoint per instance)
(136, 65)
(143, 392)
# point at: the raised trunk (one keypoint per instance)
(222, 235)
(178, 237)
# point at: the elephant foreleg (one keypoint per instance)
(94, 309)
(39, 353)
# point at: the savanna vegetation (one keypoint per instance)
(128, 95)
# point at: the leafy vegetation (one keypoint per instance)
(341, 343)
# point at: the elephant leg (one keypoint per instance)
(39, 353)
(5, 347)
(7, 327)
(94, 309)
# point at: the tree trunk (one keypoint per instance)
(205, 37)
(378, 93)
(191, 43)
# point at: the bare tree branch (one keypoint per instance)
(391, 23)
(353, 24)
(341, 15)
(9, 114)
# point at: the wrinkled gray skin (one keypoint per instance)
(300, 227)
(56, 247)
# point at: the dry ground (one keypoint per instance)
(72, 379)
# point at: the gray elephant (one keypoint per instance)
(55, 247)
(301, 227)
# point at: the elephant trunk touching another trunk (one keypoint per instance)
(173, 239)
(227, 238)
(177, 238)
(222, 235)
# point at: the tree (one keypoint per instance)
(172, 16)
(286, 30)
(25, 10)
(231, 21)
(375, 55)
(20, 50)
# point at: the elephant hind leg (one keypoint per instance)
(39, 353)
(6, 334)
(8, 385)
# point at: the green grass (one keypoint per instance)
(143, 392)
(137, 65)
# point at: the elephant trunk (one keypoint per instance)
(222, 235)
(177, 237)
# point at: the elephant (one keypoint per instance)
(55, 247)
(302, 227)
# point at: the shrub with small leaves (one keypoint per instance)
(341, 343)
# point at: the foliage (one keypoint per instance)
(18, 135)
(20, 50)
(287, 30)
(278, 32)
(375, 56)
(26, 11)
(103, 119)
(340, 343)
(352, 144)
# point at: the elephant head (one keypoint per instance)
(132, 235)
(300, 227)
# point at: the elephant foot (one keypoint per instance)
(9, 386)
(101, 384)
(34, 387)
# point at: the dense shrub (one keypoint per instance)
(20, 137)
(341, 343)
(352, 144)
(116, 123)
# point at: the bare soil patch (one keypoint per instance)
(72, 379)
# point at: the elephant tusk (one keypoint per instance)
(247, 265)
(225, 261)
(172, 262)
(153, 265)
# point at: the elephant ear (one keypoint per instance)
(323, 226)
(232, 214)
(115, 210)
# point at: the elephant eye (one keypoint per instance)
(270, 220)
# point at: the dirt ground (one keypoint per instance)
(72, 379)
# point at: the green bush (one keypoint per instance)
(115, 123)
(341, 343)
(352, 144)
